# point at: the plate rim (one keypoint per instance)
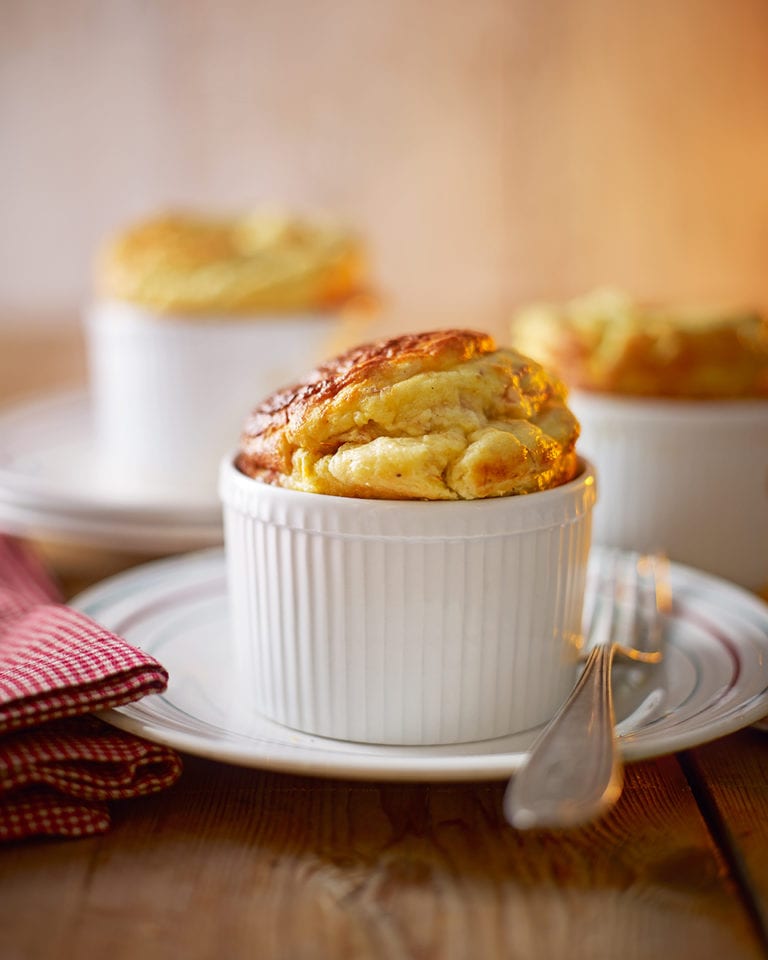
(74, 402)
(30, 507)
(301, 758)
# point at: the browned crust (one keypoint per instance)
(370, 366)
(657, 352)
(719, 365)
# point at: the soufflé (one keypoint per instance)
(407, 532)
(673, 406)
(193, 264)
(244, 302)
(608, 342)
(441, 415)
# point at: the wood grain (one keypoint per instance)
(730, 776)
(236, 863)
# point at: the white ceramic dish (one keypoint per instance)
(50, 486)
(170, 392)
(713, 681)
(686, 477)
(396, 622)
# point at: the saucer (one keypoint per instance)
(712, 681)
(51, 486)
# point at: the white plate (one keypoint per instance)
(713, 680)
(50, 486)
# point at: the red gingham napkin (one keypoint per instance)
(59, 766)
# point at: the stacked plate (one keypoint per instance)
(52, 487)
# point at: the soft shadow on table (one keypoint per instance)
(230, 859)
(351, 823)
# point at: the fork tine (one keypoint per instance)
(648, 594)
(649, 637)
(625, 596)
(638, 586)
(603, 582)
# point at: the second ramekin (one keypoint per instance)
(406, 622)
(687, 477)
(168, 392)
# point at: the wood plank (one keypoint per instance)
(730, 777)
(239, 863)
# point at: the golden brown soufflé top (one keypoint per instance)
(194, 264)
(441, 415)
(608, 342)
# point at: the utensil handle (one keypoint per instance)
(573, 772)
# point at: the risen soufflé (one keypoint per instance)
(441, 415)
(610, 343)
(197, 265)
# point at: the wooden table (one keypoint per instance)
(237, 863)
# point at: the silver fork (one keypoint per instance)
(573, 773)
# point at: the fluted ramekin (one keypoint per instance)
(688, 477)
(168, 392)
(405, 622)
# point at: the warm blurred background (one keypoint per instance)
(490, 151)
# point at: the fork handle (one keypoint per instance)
(573, 773)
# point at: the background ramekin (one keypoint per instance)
(169, 393)
(689, 477)
(406, 622)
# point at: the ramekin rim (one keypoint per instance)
(653, 408)
(145, 314)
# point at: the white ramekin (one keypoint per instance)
(405, 622)
(169, 392)
(688, 477)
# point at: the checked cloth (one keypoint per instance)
(59, 766)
